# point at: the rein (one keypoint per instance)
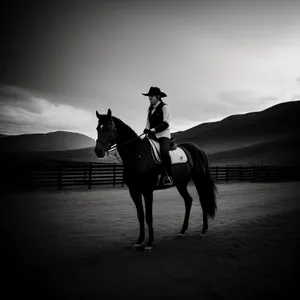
(115, 147)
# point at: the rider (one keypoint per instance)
(158, 123)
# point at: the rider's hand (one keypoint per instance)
(146, 131)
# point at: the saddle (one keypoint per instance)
(176, 153)
(173, 144)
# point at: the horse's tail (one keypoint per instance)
(208, 191)
(202, 178)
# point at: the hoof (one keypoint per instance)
(137, 247)
(181, 234)
(148, 248)
(203, 234)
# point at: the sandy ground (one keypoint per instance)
(76, 244)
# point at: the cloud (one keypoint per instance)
(22, 112)
(246, 100)
(215, 107)
(19, 97)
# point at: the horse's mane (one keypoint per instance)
(127, 131)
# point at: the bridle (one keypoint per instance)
(110, 143)
(112, 134)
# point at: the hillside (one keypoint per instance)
(53, 141)
(271, 136)
(78, 155)
(245, 129)
(281, 151)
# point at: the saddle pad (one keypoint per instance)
(178, 156)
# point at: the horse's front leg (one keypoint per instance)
(148, 196)
(137, 199)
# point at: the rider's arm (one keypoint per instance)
(147, 124)
(166, 120)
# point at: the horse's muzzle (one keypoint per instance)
(99, 152)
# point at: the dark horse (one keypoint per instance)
(141, 173)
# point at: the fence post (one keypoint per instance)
(253, 174)
(216, 173)
(240, 173)
(59, 175)
(90, 175)
(114, 175)
(226, 173)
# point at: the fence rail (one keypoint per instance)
(254, 173)
(60, 174)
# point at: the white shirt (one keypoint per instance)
(166, 118)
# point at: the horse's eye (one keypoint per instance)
(100, 127)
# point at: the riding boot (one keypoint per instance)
(168, 180)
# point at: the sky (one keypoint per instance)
(63, 60)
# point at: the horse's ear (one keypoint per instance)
(109, 112)
(97, 114)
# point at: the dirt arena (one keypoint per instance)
(76, 244)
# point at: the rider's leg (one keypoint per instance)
(164, 150)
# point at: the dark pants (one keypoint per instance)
(165, 155)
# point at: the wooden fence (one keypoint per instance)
(61, 174)
(254, 173)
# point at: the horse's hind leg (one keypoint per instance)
(188, 200)
(204, 212)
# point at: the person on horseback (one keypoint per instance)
(158, 124)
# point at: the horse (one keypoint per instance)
(141, 171)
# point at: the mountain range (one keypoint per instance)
(271, 137)
(53, 141)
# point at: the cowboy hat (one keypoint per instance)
(155, 91)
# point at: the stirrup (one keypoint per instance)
(168, 180)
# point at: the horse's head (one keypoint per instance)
(107, 133)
